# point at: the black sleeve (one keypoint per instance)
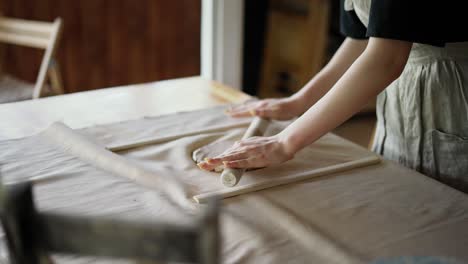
(407, 20)
(421, 21)
(350, 25)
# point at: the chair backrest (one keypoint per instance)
(34, 34)
(32, 235)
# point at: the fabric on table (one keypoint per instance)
(415, 260)
(371, 212)
(196, 181)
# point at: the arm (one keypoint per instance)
(287, 108)
(379, 65)
(318, 86)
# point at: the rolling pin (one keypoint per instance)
(230, 177)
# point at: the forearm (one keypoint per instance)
(318, 86)
(372, 72)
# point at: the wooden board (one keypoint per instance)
(257, 186)
(295, 46)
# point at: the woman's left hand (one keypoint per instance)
(254, 152)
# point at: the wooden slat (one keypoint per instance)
(294, 178)
(25, 26)
(24, 40)
(21, 61)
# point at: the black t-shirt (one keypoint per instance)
(428, 22)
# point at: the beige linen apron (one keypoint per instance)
(423, 115)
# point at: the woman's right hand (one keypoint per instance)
(278, 109)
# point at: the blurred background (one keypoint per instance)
(107, 43)
(267, 48)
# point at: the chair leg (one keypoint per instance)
(55, 78)
(372, 138)
(2, 58)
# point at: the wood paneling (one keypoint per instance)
(112, 42)
(295, 45)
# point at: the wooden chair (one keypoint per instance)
(34, 34)
(33, 236)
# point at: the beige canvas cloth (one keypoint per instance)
(354, 216)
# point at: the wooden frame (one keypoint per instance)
(40, 35)
(294, 178)
(222, 29)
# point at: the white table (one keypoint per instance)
(385, 210)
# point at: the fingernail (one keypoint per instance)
(210, 160)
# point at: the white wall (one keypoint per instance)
(222, 41)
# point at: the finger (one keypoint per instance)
(210, 163)
(246, 109)
(235, 108)
(248, 163)
(263, 103)
(231, 156)
(252, 143)
(216, 161)
(243, 107)
(206, 166)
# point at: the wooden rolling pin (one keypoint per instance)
(230, 177)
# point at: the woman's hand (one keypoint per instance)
(254, 152)
(279, 109)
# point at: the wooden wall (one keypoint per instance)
(113, 42)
